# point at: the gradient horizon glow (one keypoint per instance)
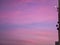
(30, 21)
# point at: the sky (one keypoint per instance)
(30, 22)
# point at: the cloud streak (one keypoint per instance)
(30, 21)
(33, 35)
(36, 15)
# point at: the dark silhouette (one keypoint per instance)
(58, 26)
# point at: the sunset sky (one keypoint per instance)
(32, 21)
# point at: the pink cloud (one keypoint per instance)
(37, 15)
(34, 35)
(28, 16)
